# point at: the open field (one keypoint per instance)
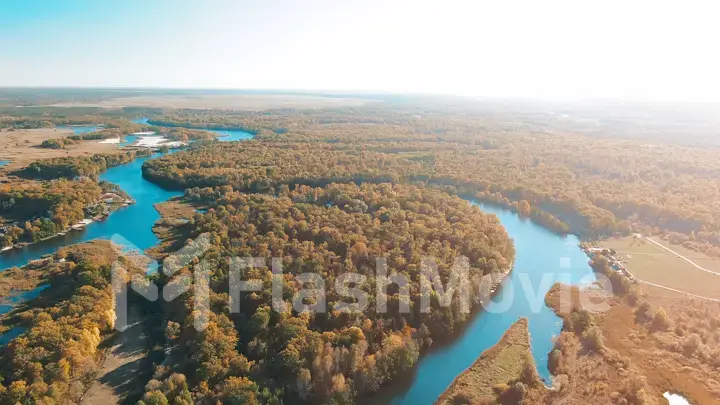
(222, 101)
(653, 264)
(22, 147)
(710, 263)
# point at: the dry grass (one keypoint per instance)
(637, 358)
(653, 264)
(169, 228)
(21, 147)
(499, 365)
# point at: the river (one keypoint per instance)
(542, 257)
(130, 226)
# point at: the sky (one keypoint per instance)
(638, 50)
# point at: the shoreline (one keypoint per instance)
(391, 389)
(483, 375)
(79, 226)
(172, 125)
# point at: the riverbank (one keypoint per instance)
(49, 272)
(542, 258)
(78, 311)
(497, 371)
(203, 127)
(111, 204)
(170, 229)
(636, 351)
(126, 226)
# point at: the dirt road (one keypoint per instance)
(118, 374)
(697, 266)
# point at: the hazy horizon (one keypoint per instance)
(556, 50)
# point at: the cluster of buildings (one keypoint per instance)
(611, 255)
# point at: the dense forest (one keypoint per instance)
(263, 355)
(78, 166)
(255, 166)
(329, 190)
(595, 186)
(35, 210)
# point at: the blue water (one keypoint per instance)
(223, 134)
(127, 140)
(130, 139)
(10, 302)
(4, 162)
(539, 253)
(130, 226)
(80, 129)
(231, 135)
(6, 337)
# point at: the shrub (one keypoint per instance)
(555, 361)
(633, 296)
(580, 321)
(464, 398)
(633, 390)
(594, 338)
(661, 321)
(529, 373)
(642, 314)
(691, 344)
(515, 394)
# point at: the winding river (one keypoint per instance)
(542, 258)
(130, 226)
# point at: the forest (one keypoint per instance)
(58, 355)
(263, 355)
(32, 210)
(78, 166)
(329, 190)
(593, 186)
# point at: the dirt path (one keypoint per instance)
(670, 288)
(697, 266)
(117, 376)
(678, 291)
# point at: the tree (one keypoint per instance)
(154, 398)
(238, 391)
(304, 383)
(555, 362)
(172, 330)
(691, 344)
(524, 208)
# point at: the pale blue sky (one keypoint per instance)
(555, 49)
